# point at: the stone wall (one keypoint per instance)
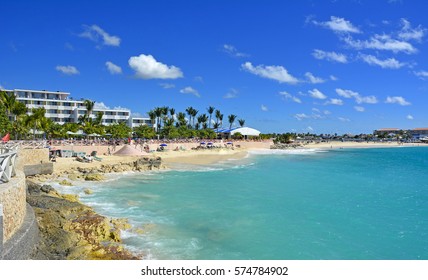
(31, 157)
(13, 200)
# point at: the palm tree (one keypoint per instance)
(217, 116)
(36, 119)
(231, 120)
(189, 112)
(241, 122)
(158, 113)
(210, 111)
(12, 106)
(194, 113)
(152, 117)
(89, 108)
(181, 117)
(172, 112)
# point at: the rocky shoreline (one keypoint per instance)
(70, 230)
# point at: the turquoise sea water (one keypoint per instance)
(340, 204)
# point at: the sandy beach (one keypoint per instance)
(210, 156)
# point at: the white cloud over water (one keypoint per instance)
(338, 24)
(330, 56)
(190, 90)
(67, 69)
(146, 67)
(397, 100)
(390, 63)
(97, 34)
(312, 79)
(346, 93)
(273, 72)
(286, 96)
(113, 68)
(315, 93)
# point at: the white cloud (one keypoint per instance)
(167, 85)
(310, 128)
(232, 51)
(190, 90)
(312, 79)
(390, 63)
(339, 25)
(333, 78)
(1, 87)
(101, 106)
(327, 112)
(97, 34)
(408, 33)
(346, 93)
(422, 74)
(120, 108)
(397, 100)
(232, 93)
(113, 68)
(146, 67)
(343, 119)
(301, 116)
(381, 42)
(286, 95)
(277, 73)
(330, 56)
(264, 108)
(334, 101)
(409, 117)
(315, 93)
(359, 108)
(67, 70)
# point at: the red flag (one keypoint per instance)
(6, 138)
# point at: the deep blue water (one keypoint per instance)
(340, 204)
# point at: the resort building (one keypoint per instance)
(386, 131)
(418, 133)
(61, 108)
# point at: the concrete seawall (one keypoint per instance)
(18, 225)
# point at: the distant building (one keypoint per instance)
(62, 109)
(386, 131)
(418, 133)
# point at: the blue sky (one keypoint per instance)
(303, 66)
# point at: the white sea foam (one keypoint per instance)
(285, 152)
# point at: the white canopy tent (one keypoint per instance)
(246, 131)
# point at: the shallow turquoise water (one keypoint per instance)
(341, 204)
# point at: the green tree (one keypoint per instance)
(145, 131)
(119, 130)
(89, 104)
(231, 119)
(241, 122)
(210, 111)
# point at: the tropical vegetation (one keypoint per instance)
(166, 123)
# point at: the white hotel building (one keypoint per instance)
(63, 109)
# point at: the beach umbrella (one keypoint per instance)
(229, 143)
(202, 143)
(163, 145)
(210, 143)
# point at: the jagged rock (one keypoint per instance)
(65, 183)
(88, 191)
(71, 197)
(94, 177)
(121, 223)
(74, 177)
(71, 230)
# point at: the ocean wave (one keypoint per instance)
(286, 152)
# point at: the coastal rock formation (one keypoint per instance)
(283, 146)
(71, 230)
(94, 177)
